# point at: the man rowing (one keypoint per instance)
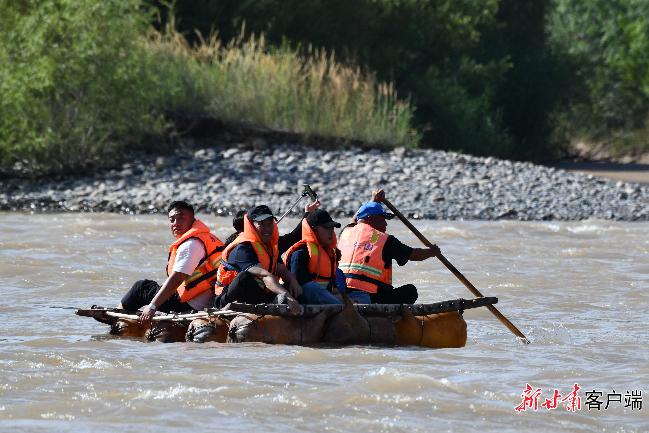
(251, 266)
(367, 252)
(191, 269)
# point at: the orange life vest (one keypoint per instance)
(267, 256)
(322, 263)
(204, 276)
(361, 261)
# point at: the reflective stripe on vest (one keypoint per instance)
(266, 257)
(204, 276)
(322, 265)
(212, 261)
(361, 248)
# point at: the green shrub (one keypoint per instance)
(74, 83)
(608, 42)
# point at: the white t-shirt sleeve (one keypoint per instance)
(188, 256)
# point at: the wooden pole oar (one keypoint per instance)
(457, 273)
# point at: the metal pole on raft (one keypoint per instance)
(458, 274)
(307, 191)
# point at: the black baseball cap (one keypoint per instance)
(180, 204)
(321, 217)
(260, 213)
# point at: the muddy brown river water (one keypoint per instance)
(578, 290)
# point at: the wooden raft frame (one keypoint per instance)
(109, 315)
(363, 309)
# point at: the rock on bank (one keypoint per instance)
(421, 183)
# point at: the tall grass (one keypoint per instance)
(248, 81)
(81, 81)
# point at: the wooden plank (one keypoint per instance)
(364, 309)
(107, 315)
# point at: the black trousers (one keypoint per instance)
(247, 289)
(406, 294)
(142, 293)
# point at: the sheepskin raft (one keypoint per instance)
(436, 325)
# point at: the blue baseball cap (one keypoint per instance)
(372, 208)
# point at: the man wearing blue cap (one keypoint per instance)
(367, 254)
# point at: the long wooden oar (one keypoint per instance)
(457, 273)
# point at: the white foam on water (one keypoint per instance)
(504, 286)
(552, 227)
(573, 252)
(289, 400)
(385, 380)
(587, 228)
(85, 396)
(556, 334)
(96, 364)
(54, 415)
(178, 392)
(450, 232)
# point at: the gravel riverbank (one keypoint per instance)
(421, 183)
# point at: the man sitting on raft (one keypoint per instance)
(191, 268)
(367, 254)
(285, 241)
(251, 265)
(313, 259)
(237, 224)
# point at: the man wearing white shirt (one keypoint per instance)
(192, 258)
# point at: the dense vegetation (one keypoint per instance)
(83, 80)
(607, 45)
(515, 78)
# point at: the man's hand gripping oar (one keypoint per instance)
(455, 272)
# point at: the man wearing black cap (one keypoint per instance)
(313, 260)
(367, 254)
(251, 265)
(285, 240)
